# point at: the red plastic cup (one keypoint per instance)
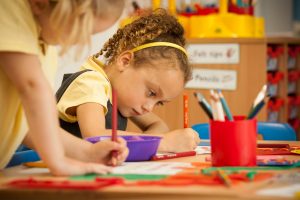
(233, 143)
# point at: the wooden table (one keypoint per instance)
(239, 191)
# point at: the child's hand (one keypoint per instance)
(179, 141)
(102, 152)
(70, 167)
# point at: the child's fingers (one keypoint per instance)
(97, 168)
(113, 161)
(196, 137)
(110, 145)
(68, 167)
(122, 142)
(119, 145)
(123, 150)
(119, 159)
(122, 156)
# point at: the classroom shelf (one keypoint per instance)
(288, 64)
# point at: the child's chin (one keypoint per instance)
(126, 114)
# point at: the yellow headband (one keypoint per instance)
(156, 44)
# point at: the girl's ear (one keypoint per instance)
(124, 61)
(38, 6)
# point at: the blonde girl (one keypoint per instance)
(28, 113)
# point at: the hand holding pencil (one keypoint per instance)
(115, 154)
(180, 140)
(101, 152)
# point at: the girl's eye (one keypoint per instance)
(151, 93)
(160, 103)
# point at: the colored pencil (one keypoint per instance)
(204, 104)
(114, 119)
(218, 113)
(257, 108)
(224, 177)
(173, 155)
(38, 164)
(185, 111)
(260, 96)
(225, 106)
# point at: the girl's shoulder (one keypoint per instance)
(92, 76)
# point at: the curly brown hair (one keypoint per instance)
(157, 26)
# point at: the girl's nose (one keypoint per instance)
(148, 107)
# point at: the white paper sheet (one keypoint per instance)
(151, 168)
(203, 150)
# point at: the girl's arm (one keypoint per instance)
(25, 73)
(150, 123)
(91, 120)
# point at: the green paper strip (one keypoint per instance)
(125, 176)
(236, 169)
(87, 177)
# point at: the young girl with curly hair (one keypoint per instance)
(147, 65)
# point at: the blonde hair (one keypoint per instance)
(158, 26)
(80, 14)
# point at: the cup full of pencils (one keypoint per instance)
(233, 138)
(233, 143)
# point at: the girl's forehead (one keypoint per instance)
(169, 81)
